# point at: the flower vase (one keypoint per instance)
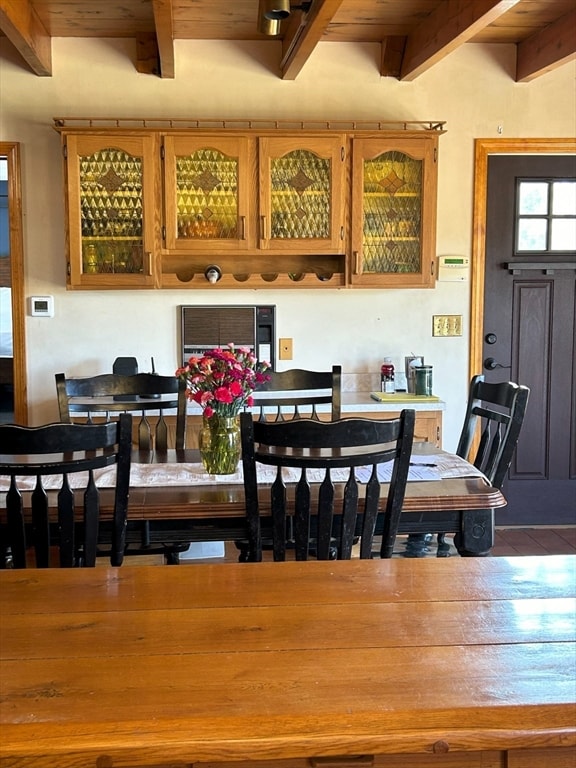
(219, 443)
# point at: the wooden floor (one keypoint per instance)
(509, 542)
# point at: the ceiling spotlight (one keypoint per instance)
(272, 12)
(268, 26)
(276, 10)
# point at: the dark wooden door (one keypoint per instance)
(530, 330)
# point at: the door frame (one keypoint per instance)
(11, 150)
(483, 148)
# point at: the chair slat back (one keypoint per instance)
(320, 510)
(127, 388)
(61, 450)
(496, 412)
(297, 393)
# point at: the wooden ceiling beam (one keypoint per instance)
(545, 50)
(21, 25)
(392, 54)
(147, 56)
(452, 24)
(163, 21)
(300, 41)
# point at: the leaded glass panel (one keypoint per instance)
(392, 222)
(207, 195)
(111, 203)
(300, 195)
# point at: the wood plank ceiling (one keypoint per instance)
(414, 35)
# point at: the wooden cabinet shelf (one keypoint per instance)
(289, 209)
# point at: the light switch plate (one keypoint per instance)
(447, 325)
(285, 349)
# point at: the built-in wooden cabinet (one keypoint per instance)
(154, 208)
(208, 197)
(265, 209)
(301, 193)
(113, 222)
(394, 212)
(427, 427)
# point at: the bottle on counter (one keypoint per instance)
(387, 377)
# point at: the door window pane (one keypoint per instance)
(564, 198)
(563, 235)
(546, 216)
(533, 198)
(532, 234)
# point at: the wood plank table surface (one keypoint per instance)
(389, 663)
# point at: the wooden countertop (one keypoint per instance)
(261, 662)
(361, 401)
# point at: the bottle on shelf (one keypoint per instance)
(387, 377)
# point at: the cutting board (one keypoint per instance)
(403, 397)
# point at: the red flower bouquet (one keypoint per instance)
(222, 380)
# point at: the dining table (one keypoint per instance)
(189, 505)
(180, 502)
(452, 663)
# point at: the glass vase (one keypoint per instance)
(219, 443)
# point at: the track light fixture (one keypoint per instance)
(276, 9)
(272, 12)
(269, 27)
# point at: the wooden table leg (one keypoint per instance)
(476, 537)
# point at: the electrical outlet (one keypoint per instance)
(447, 325)
(285, 349)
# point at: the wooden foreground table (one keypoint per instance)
(390, 663)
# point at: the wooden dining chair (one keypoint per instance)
(60, 460)
(128, 394)
(496, 412)
(293, 394)
(492, 424)
(104, 396)
(297, 393)
(327, 511)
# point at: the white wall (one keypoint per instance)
(473, 90)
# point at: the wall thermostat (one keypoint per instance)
(454, 269)
(42, 306)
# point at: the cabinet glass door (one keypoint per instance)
(206, 190)
(109, 201)
(392, 218)
(392, 213)
(301, 186)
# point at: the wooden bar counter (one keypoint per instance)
(395, 664)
